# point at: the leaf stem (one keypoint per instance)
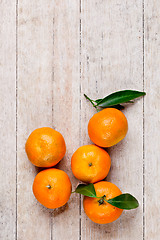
(92, 101)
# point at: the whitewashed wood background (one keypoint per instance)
(51, 53)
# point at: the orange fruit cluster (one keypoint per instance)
(91, 163)
(45, 147)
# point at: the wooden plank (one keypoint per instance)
(8, 119)
(152, 120)
(112, 59)
(66, 107)
(35, 59)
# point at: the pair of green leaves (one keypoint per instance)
(124, 201)
(116, 99)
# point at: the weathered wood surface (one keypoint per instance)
(112, 59)
(51, 53)
(7, 120)
(152, 120)
(66, 107)
(35, 57)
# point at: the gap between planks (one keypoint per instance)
(143, 25)
(16, 233)
(80, 107)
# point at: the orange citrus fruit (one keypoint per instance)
(90, 163)
(107, 127)
(52, 188)
(97, 209)
(45, 147)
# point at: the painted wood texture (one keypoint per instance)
(112, 59)
(152, 120)
(66, 107)
(7, 120)
(51, 53)
(35, 37)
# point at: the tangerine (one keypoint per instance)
(52, 188)
(45, 147)
(97, 209)
(107, 127)
(90, 163)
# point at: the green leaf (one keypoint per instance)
(98, 100)
(92, 101)
(124, 201)
(118, 98)
(86, 190)
(118, 106)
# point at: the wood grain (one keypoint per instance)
(152, 120)
(8, 120)
(112, 59)
(66, 107)
(35, 59)
(66, 48)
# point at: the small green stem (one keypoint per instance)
(102, 199)
(92, 101)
